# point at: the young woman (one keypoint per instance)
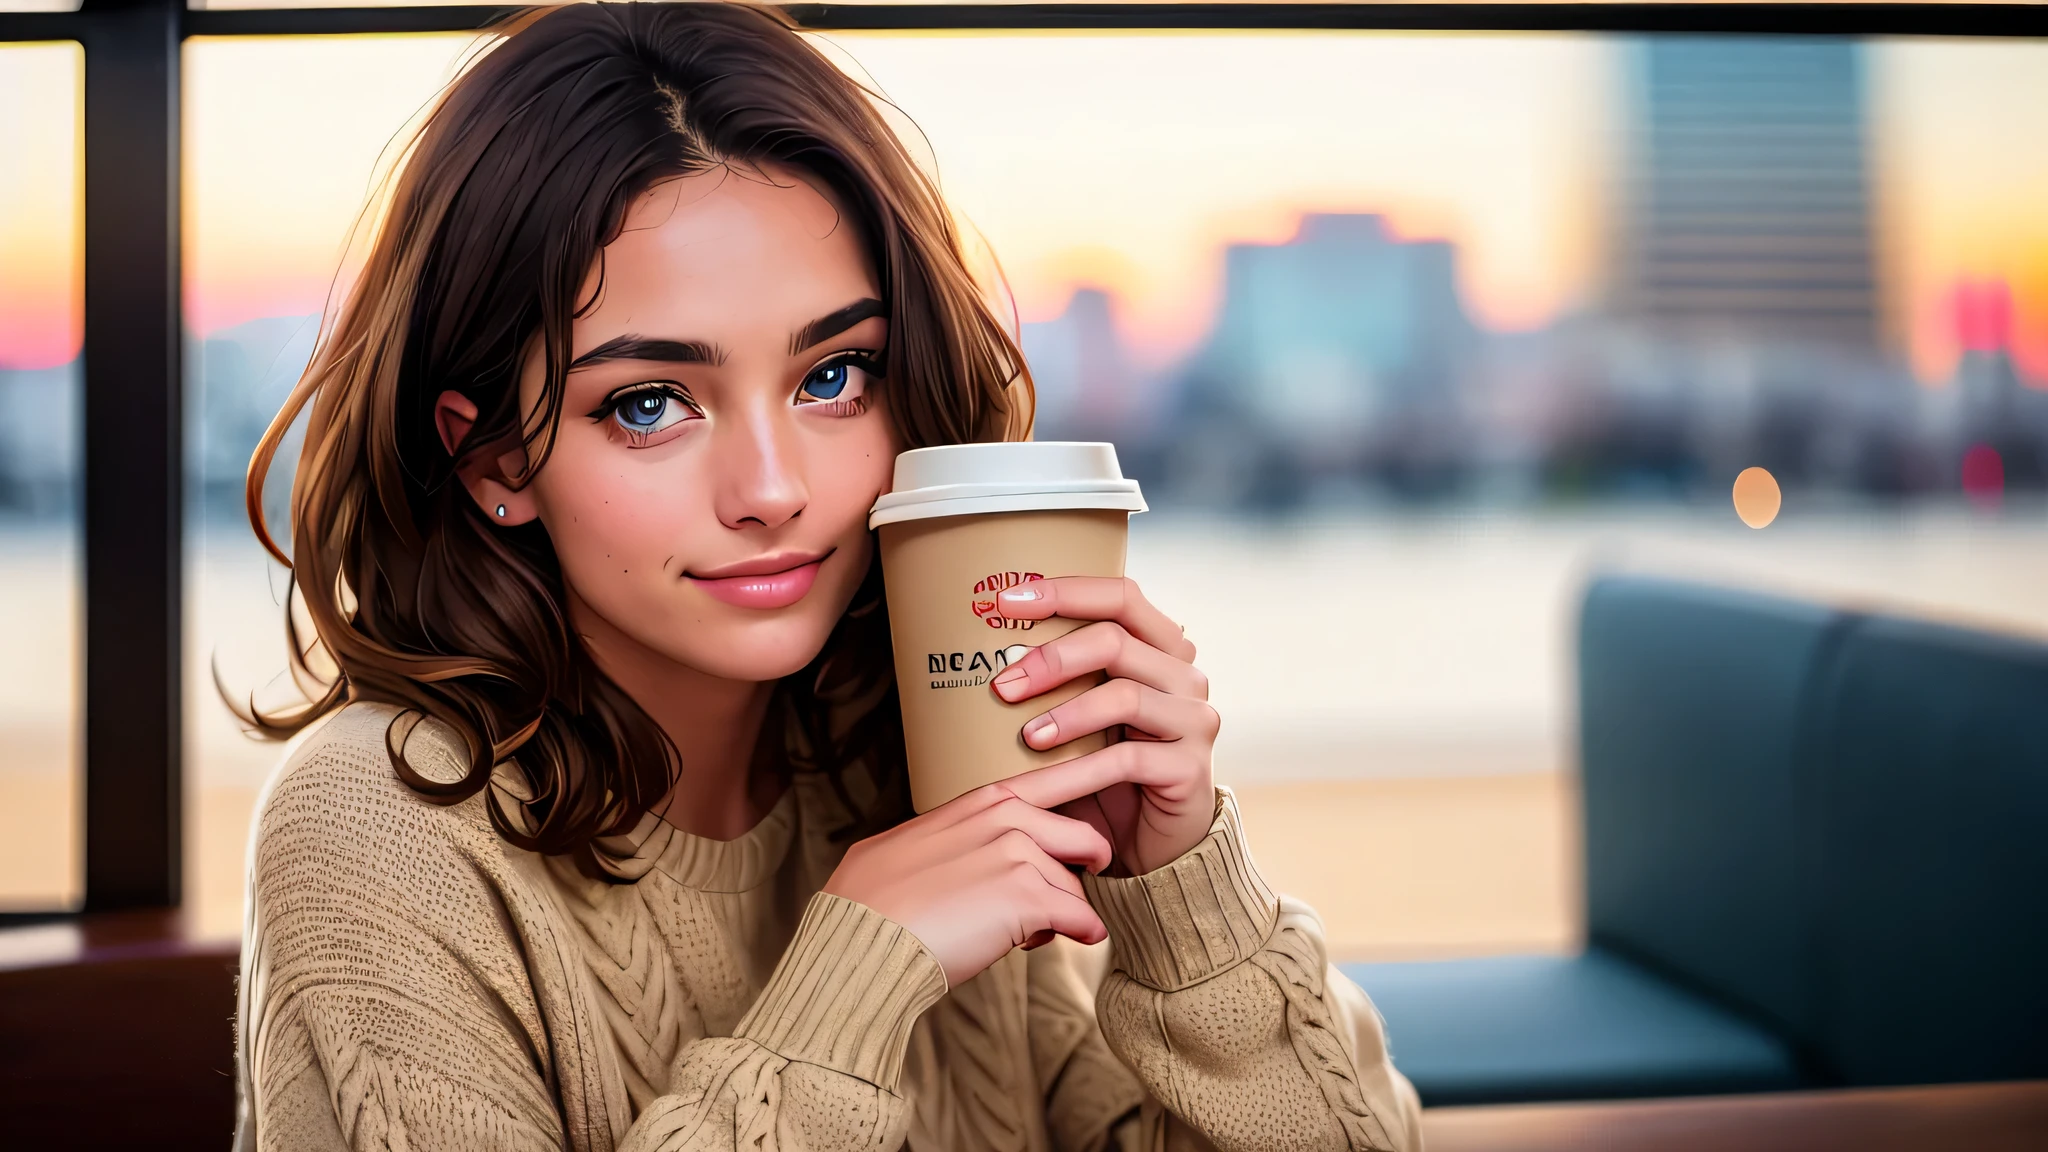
(602, 840)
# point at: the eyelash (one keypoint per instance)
(607, 412)
(853, 407)
(870, 364)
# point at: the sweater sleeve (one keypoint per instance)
(405, 989)
(1223, 1003)
(816, 1063)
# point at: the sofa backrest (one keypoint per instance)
(1930, 896)
(1692, 702)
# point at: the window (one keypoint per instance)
(283, 139)
(40, 552)
(1403, 335)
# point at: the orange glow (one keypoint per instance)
(1757, 498)
(42, 300)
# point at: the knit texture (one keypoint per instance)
(411, 981)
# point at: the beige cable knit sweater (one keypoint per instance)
(413, 982)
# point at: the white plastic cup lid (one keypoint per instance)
(1012, 476)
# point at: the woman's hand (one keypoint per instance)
(981, 874)
(1154, 795)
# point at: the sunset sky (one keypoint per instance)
(1125, 162)
(41, 248)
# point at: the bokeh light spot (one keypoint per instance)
(1983, 475)
(1757, 498)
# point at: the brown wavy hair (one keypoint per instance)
(499, 209)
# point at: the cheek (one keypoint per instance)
(615, 523)
(849, 471)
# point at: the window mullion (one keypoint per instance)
(133, 428)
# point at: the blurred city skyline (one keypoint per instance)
(1116, 163)
(1427, 266)
(1741, 323)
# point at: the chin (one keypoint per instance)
(758, 650)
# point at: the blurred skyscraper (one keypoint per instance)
(1747, 192)
(1086, 389)
(1320, 334)
(1336, 354)
(239, 378)
(40, 447)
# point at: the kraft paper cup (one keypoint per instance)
(962, 523)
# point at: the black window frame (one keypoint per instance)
(134, 462)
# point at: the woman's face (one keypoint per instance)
(721, 437)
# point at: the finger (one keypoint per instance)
(1170, 777)
(1128, 703)
(1044, 896)
(963, 807)
(1097, 598)
(935, 838)
(1090, 811)
(1100, 647)
(974, 818)
(1048, 906)
(1073, 917)
(1061, 838)
(1016, 851)
(1111, 813)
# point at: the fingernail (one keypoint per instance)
(1021, 595)
(1041, 731)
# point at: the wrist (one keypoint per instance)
(846, 992)
(1193, 917)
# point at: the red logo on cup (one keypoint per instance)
(988, 586)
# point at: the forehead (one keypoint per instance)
(721, 253)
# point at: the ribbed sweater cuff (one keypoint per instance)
(1202, 914)
(846, 992)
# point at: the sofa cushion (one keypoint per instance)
(1508, 1028)
(1691, 703)
(1932, 887)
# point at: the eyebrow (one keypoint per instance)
(631, 347)
(833, 323)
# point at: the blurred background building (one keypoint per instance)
(1747, 193)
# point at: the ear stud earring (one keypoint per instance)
(501, 511)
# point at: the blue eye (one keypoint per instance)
(649, 410)
(840, 383)
(827, 381)
(644, 410)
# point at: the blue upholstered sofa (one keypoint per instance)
(1816, 854)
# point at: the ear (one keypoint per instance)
(454, 416)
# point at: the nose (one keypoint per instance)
(760, 479)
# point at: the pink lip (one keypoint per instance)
(770, 582)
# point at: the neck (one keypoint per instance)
(713, 722)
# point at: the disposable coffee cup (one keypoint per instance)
(962, 523)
